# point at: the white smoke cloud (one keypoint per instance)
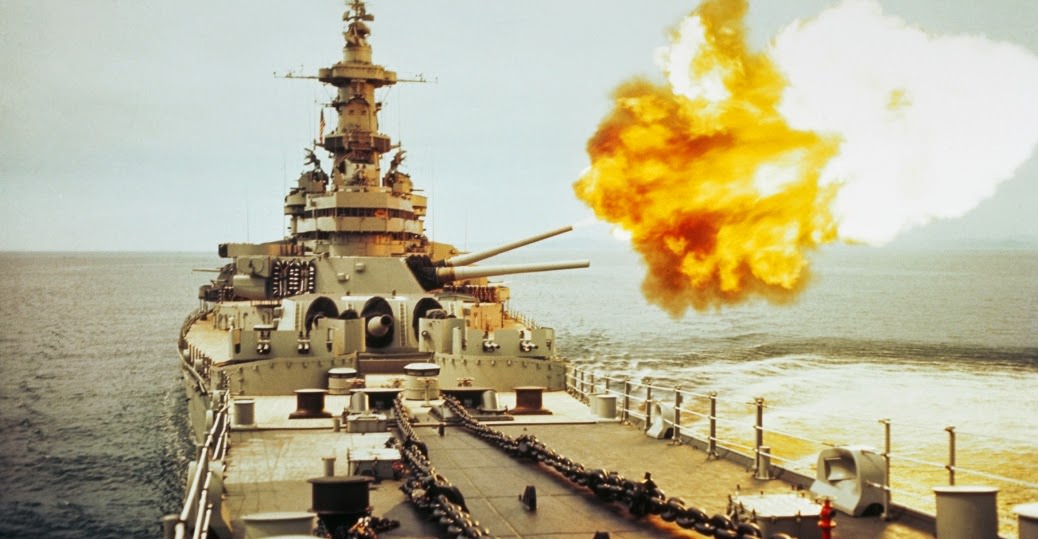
(930, 125)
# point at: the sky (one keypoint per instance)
(153, 125)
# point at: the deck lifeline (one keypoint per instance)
(268, 468)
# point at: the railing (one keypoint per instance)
(520, 317)
(735, 429)
(195, 515)
(201, 379)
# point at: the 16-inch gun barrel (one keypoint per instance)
(472, 258)
(449, 274)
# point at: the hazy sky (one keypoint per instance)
(157, 125)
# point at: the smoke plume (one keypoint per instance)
(850, 127)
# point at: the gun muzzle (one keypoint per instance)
(379, 326)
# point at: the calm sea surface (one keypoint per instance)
(91, 409)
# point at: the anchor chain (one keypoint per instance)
(429, 491)
(640, 498)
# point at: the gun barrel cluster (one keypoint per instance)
(457, 268)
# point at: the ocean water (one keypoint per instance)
(91, 409)
(927, 339)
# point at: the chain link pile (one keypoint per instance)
(640, 498)
(429, 491)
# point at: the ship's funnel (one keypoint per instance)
(472, 258)
(447, 275)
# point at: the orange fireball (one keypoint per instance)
(720, 196)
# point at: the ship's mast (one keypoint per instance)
(355, 144)
(362, 212)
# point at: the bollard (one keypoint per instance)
(329, 466)
(966, 512)
(310, 404)
(529, 401)
(341, 380)
(1027, 520)
(244, 413)
(604, 406)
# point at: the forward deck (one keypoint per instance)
(268, 467)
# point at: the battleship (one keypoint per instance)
(358, 379)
